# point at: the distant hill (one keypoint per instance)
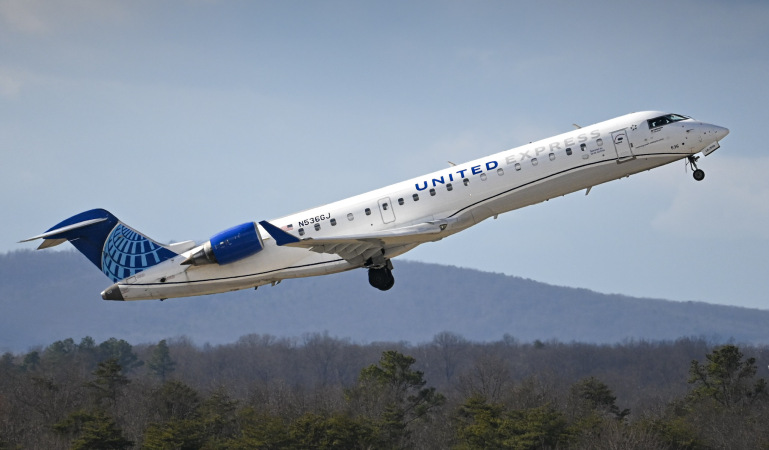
(46, 296)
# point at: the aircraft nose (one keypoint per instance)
(713, 132)
(721, 132)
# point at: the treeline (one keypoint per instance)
(322, 392)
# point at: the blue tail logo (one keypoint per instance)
(128, 252)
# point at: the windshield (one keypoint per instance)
(666, 119)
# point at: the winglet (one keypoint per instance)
(280, 236)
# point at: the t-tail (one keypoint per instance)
(115, 248)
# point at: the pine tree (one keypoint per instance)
(92, 430)
(109, 380)
(121, 351)
(394, 395)
(726, 378)
(160, 362)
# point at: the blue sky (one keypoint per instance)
(186, 117)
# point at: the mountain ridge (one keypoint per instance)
(46, 296)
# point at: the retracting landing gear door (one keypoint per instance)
(622, 145)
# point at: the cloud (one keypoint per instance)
(732, 202)
(23, 15)
(46, 16)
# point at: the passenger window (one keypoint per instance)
(317, 227)
(350, 217)
(301, 232)
(534, 161)
(432, 191)
(568, 151)
(483, 176)
(517, 166)
(385, 206)
(599, 142)
(333, 222)
(290, 227)
(552, 157)
(466, 181)
(500, 172)
(582, 147)
(368, 211)
(400, 201)
(449, 187)
(415, 197)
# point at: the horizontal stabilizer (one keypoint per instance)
(61, 230)
(48, 243)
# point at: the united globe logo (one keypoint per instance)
(127, 252)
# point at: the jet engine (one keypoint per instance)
(228, 246)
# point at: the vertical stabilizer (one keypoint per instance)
(116, 249)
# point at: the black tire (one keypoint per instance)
(699, 174)
(381, 279)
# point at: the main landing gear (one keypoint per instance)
(698, 174)
(381, 277)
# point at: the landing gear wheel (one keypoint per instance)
(698, 174)
(381, 279)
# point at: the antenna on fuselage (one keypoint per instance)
(576, 126)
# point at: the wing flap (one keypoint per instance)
(355, 247)
(357, 252)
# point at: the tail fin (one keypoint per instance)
(116, 249)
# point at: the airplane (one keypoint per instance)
(370, 229)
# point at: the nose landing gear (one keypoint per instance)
(698, 174)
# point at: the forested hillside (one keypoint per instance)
(450, 358)
(325, 393)
(49, 295)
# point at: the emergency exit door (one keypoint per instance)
(386, 208)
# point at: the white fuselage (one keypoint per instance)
(460, 196)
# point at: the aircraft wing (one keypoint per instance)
(355, 248)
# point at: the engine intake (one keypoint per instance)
(230, 245)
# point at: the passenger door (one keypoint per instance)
(622, 145)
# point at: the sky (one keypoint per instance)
(184, 118)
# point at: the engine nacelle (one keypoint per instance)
(228, 246)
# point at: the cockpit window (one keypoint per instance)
(664, 120)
